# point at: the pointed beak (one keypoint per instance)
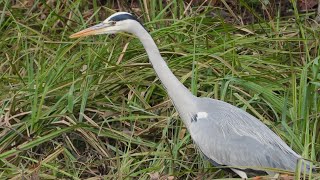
(97, 29)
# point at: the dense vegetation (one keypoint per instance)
(93, 107)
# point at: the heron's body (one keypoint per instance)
(236, 138)
(225, 134)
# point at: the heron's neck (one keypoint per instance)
(178, 93)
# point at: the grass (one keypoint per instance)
(93, 108)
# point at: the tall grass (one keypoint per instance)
(95, 108)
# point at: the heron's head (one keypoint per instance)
(118, 22)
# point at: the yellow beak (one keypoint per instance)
(97, 29)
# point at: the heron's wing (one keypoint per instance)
(230, 136)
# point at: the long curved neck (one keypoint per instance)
(178, 93)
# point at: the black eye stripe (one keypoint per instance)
(122, 17)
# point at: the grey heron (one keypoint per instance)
(225, 134)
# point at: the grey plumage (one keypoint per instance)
(239, 139)
(225, 134)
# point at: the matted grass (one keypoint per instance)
(94, 108)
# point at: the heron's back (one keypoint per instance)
(230, 136)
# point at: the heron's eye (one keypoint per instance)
(113, 23)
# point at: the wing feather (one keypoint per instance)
(230, 136)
